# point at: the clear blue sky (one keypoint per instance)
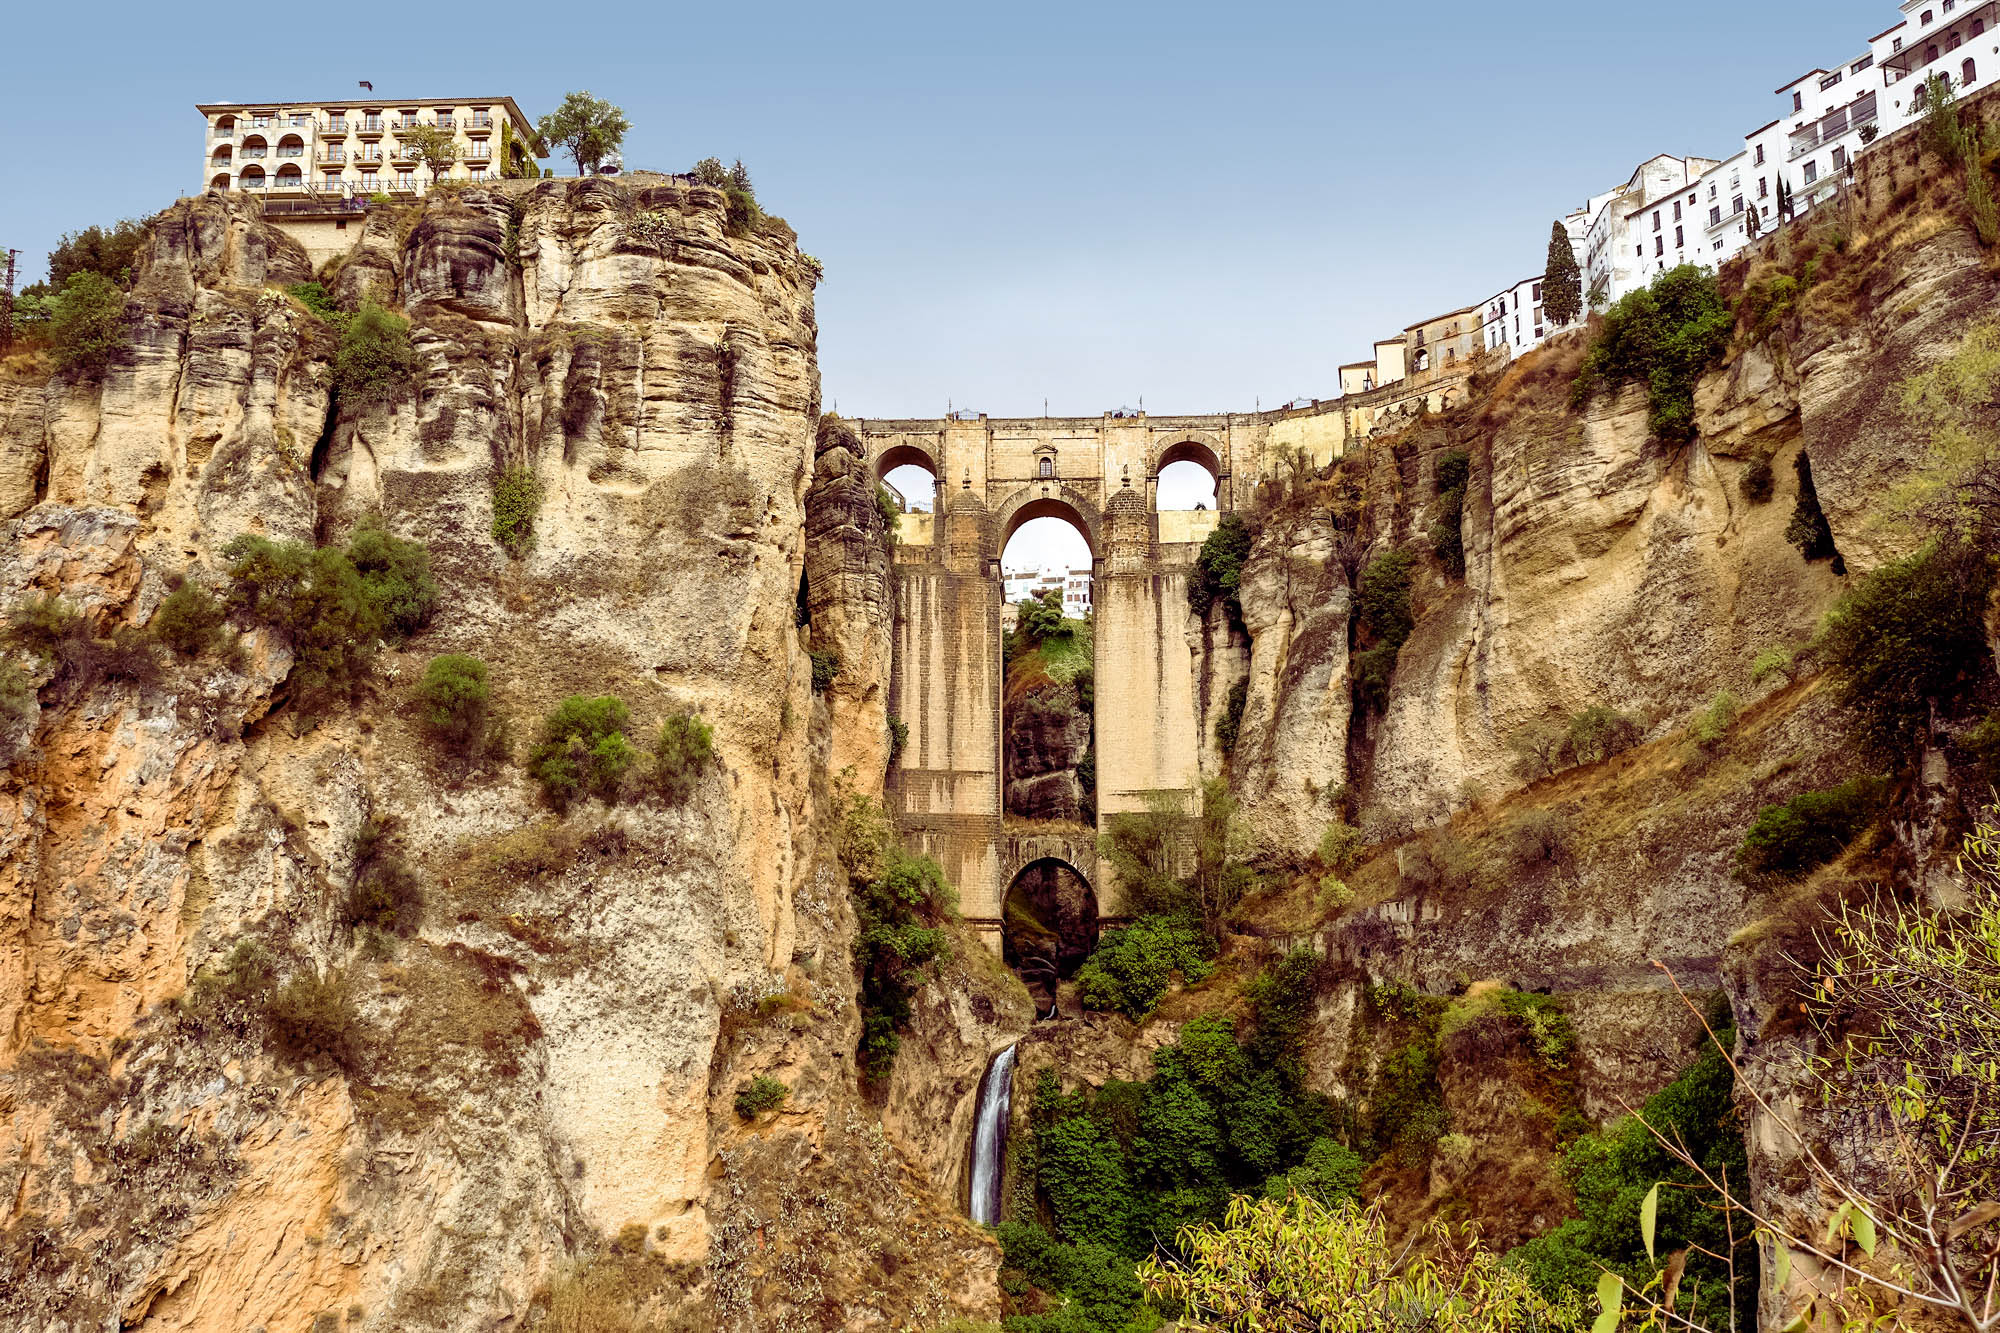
(1206, 206)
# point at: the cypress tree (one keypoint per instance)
(1562, 284)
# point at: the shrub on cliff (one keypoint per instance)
(1811, 829)
(86, 324)
(1663, 336)
(396, 574)
(1600, 732)
(1218, 569)
(1385, 617)
(1910, 639)
(313, 1018)
(384, 893)
(902, 902)
(762, 1093)
(683, 749)
(375, 362)
(52, 630)
(1229, 721)
(187, 619)
(315, 297)
(1808, 529)
(1758, 482)
(1453, 471)
(582, 750)
(1131, 969)
(517, 498)
(454, 702)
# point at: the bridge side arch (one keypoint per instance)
(898, 455)
(1200, 447)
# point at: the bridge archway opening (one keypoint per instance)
(1187, 475)
(912, 474)
(1049, 926)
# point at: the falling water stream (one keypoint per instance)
(989, 1137)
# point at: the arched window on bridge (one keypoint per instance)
(910, 475)
(1051, 926)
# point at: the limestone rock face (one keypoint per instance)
(1047, 737)
(551, 1059)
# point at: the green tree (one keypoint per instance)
(435, 148)
(1218, 570)
(710, 171)
(587, 128)
(397, 575)
(110, 252)
(316, 599)
(87, 323)
(1562, 283)
(1040, 618)
(1663, 336)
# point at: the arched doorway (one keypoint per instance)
(1049, 926)
(1048, 695)
(912, 475)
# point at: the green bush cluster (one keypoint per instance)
(1116, 1170)
(1811, 829)
(1038, 619)
(1759, 483)
(517, 498)
(1229, 722)
(682, 750)
(188, 618)
(1611, 1173)
(1597, 733)
(1453, 471)
(903, 904)
(1909, 639)
(582, 750)
(86, 323)
(331, 605)
(1218, 569)
(455, 702)
(1664, 337)
(375, 362)
(762, 1093)
(1385, 616)
(315, 297)
(110, 252)
(1131, 968)
(825, 668)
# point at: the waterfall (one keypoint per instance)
(989, 1137)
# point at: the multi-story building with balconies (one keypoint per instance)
(349, 148)
(316, 163)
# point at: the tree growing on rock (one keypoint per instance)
(435, 148)
(587, 128)
(1562, 285)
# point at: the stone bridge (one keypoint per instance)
(1101, 475)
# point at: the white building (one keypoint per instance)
(1514, 318)
(1644, 228)
(357, 146)
(1073, 583)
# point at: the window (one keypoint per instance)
(1978, 26)
(1895, 45)
(1927, 16)
(1760, 155)
(1798, 101)
(1952, 42)
(1866, 62)
(1677, 210)
(1968, 72)
(1839, 158)
(1812, 172)
(1656, 219)
(1763, 187)
(1048, 467)
(1680, 241)
(405, 181)
(1950, 5)
(1538, 291)
(1659, 245)
(1735, 205)
(368, 181)
(1930, 53)
(333, 180)
(1829, 81)
(1715, 216)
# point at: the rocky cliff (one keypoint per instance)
(535, 1107)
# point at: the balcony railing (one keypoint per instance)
(446, 123)
(251, 182)
(481, 122)
(294, 151)
(255, 152)
(336, 127)
(478, 152)
(372, 125)
(333, 158)
(318, 204)
(289, 183)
